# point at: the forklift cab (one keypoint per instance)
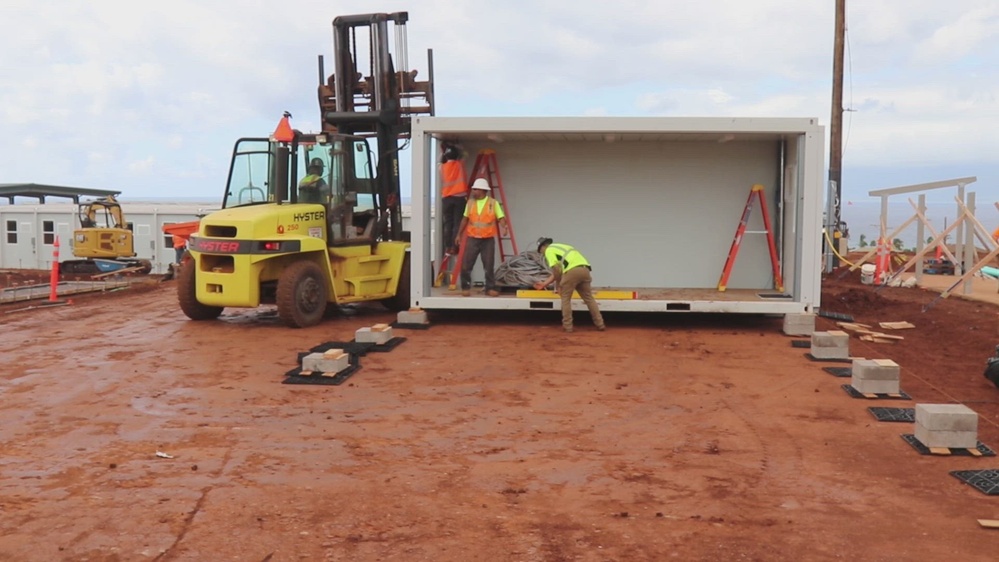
(335, 171)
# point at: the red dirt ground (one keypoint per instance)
(487, 437)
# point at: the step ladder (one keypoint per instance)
(755, 192)
(487, 167)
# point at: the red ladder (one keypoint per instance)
(486, 167)
(757, 191)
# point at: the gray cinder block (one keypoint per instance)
(946, 425)
(875, 376)
(331, 361)
(377, 334)
(799, 324)
(413, 316)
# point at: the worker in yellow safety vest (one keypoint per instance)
(454, 192)
(313, 188)
(572, 272)
(483, 218)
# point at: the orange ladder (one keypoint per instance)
(487, 167)
(756, 191)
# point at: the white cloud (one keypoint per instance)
(168, 87)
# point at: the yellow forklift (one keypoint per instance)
(313, 221)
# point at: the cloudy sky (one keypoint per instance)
(148, 97)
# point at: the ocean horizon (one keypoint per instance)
(864, 218)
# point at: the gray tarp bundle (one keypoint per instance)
(523, 270)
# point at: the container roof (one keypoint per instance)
(41, 191)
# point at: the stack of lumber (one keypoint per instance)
(866, 332)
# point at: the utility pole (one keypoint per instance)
(833, 220)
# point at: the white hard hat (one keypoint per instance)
(482, 184)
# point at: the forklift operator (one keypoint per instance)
(313, 188)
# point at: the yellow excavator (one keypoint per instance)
(103, 241)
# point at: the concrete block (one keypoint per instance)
(946, 417)
(370, 335)
(949, 439)
(830, 352)
(875, 369)
(874, 386)
(799, 324)
(832, 338)
(413, 316)
(330, 361)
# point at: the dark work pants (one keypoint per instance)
(474, 247)
(452, 211)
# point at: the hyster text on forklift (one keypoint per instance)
(311, 221)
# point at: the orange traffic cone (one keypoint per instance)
(882, 266)
(284, 133)
(54, 276)
(939, 254)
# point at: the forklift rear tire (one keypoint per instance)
(301, 295)
(187, 295)
(400, 301)
(992, 372)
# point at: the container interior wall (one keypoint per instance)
(655, 214)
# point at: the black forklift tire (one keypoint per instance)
(187, 295)
(301, 295)
(400, 301)
(992, 372)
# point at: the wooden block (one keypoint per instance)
(975, 452)
(896, 325)
(877, 339)
(885, 363)
(889, 336)
(852, 325)
(304, 373)
(939, 450)
(327, 374)
(379, 327)
(989, 523)
(870, 395)
(333, 353)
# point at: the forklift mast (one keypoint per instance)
(380, 104)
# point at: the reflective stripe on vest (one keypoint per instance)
(454, 180)
(482, 225)
(567, 256)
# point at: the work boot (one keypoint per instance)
(601, 328)
(466, 292)
(567, 330)
(492, 293)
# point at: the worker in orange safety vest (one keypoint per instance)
(454, 192)
(483, 218)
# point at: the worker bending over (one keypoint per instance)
(572, 272)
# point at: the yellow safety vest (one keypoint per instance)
(565, 256)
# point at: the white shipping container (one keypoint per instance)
(653, 203)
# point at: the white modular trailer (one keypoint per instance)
(653, 204)
(29, 231)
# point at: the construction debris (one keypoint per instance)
(865, 333)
